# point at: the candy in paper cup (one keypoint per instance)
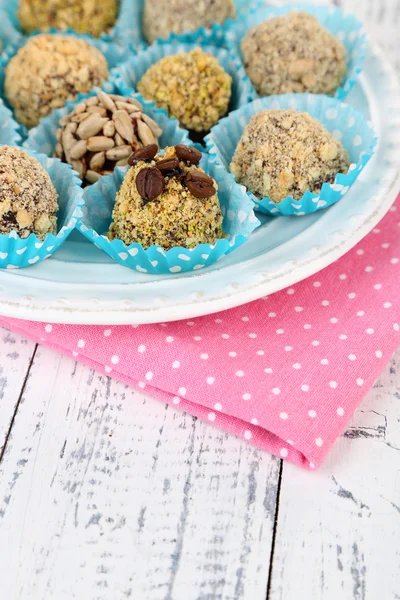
(216, 34)
(16, 252)
(238, 224)
(114, 54)
(42, 138)
(342, 120)
(345, 27)
(127, 29)
(9, 128)
(127, 76)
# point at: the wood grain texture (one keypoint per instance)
(107, 494)
(15, 357)
(339, 529)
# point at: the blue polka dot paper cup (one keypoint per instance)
(342, 120)
(238, 224)
(127, 76)
(9, 128)
(127, 29)
(43, 137)
(113, 53)
(345, 27)
(15, 252)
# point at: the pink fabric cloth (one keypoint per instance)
(285, 373)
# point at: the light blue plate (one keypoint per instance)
(80, 284)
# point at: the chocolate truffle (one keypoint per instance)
(286, 153)
(167, 201)
(192, 87)
(28, 199)
(162, 17)
(102, 132)
(48, 71)
(293, 53)
(83, 16)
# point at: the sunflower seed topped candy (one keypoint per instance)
(102, 132)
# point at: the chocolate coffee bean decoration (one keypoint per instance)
(146, 153)
(167, 164)
(188, 154)
(150, 183)
(199, 184)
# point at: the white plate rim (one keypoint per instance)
(125, 313)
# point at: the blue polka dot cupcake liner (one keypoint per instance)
(9, 128)
(345, 28)
(114, 54)
(127, 76)
(127, 29)
(42, 138)
(15, 252)
(239, 221)
(342, 120)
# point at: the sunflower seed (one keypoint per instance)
(126, 106)
(135, 102)
(78, 150)
(79, 118)
(119, 140)
(93, 101)
(58, 151)
(119, 153)
(79, 167)
(145, 134)
(92, 176)
(122, 163)
(71, 127)
(79, 108)
(59, 135)
(99, 143)
(106, 101)
(91, 126)
(64, 121)
(109, 129)
(123, 125)
(68, 141)
(98, 109)
(97, 161)
(155, 128)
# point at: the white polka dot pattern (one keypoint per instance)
(284, 374)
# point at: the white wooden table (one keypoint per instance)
(107, 494)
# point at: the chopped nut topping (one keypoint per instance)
(48, 71)
(192, 87)
(286, 153)
(293, 53)
(161, 17)
(28, 199)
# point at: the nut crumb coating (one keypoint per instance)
(192, 87)
(162, 17)
(293, 53)
(175, 218)
(287, 153)
(28, 199)
(48, 71)
(83, 16)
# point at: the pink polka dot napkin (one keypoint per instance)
(285, 373)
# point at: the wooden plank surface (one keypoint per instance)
(106, 494)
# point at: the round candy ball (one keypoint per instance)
(287, 153)
(28, 199)
(192, 87)
(162, 17)
(167, 200)
(83, 16)
(293, 53)
(48, 71)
